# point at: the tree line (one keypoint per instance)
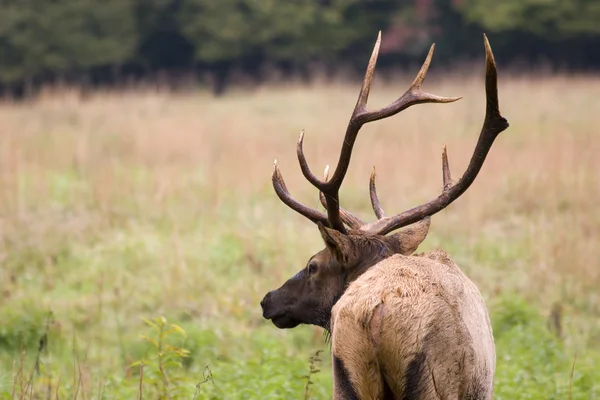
(111, 42)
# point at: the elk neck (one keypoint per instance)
(368, 251)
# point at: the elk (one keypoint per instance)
(402, 325)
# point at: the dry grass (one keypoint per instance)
(125, 205)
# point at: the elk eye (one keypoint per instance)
(312, 268)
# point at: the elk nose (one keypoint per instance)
(265, 301)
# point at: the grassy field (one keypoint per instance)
(139, 231)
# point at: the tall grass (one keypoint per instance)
(120, 207)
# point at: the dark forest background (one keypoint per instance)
(92, 43)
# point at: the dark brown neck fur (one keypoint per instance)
(367, 251)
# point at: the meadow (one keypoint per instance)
(139, 231)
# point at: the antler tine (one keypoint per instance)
(374, 198)
(414, 95)
(304, 164)
(286, 197)
(493, 125)
(347, 217)
(446, 169)
(321, 195)
(363, 97)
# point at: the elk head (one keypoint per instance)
(352, 246)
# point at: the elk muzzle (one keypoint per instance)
(277, 311)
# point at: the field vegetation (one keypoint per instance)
(139, 231)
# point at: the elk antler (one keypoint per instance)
(336, 216)
(360, 116)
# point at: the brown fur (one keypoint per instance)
(418, 326)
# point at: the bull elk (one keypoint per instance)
(403, 326)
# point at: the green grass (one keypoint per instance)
(121, 209)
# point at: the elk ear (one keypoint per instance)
(338, 243)
(408, 239)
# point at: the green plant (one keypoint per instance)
(314, 360)
(163, 366)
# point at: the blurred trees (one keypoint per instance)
(108, 41)
(42, 40)
(546, 18)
